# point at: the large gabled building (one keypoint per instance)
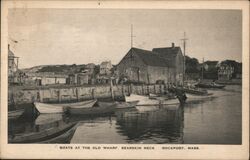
(145, 66)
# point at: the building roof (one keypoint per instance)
(10, 53)
(149, 58)
(167, 52)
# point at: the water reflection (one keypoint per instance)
(159, 126)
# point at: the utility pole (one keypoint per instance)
(184, 39)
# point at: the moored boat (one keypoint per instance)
(59, 108)
(120, 105)
(46, 136)
(195, 91)
(96, 110)
(193, 98)
(44, 119)
(210, 85)
(153, 100)
(143, 100)
(15, 114)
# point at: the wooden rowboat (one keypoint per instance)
(194, 91)
(59, 108)
(59, 134)
(155, 100)
(119, 105)
(15, 114)
(96, 110)
(210, 85)
(194, 98)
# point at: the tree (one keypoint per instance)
(192, 65)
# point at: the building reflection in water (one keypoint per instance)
(157, 126)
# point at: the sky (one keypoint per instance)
(81, 36)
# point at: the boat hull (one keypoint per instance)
(48, 108)
(92, 111)
(60, 108)
(120, 105)
(195, 91)
(15, 114)
(193, 98)
(200, 85)
(146, 101)
(48, 135)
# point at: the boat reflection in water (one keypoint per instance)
(47, 128)
(162, 125)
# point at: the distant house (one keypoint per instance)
(145, 66)
(82, 78)
(47, 78)
(90, 67)
(55, 79)
(225, 72)
(210, 70)
(12, 67)
(78, 78)
(105, 68)
(210, 65)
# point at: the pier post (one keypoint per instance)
(154, 89)
(131, 88)
(77, 94)
(59, 96)
(93, 93)
(148, 89)
(41, 95)
(123, 90)
(143, 89)
(160, 89)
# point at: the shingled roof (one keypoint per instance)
(150, 58)
(167, 52)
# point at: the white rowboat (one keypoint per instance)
(145, 100)
(59, 108)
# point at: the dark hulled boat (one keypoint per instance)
(95, 110)
(15, 114)
(209, 85)
(60, 134)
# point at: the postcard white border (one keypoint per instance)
(53, 151)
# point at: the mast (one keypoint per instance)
(184, 39)
(132, 35)
(202, 68)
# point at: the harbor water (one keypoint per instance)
(216, 120)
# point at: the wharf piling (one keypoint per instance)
(80, 93)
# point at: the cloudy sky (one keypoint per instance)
(80, 36)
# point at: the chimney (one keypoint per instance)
(172, 45)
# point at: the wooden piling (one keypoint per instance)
(93, 93)
(41, 95)
(160, 89)
(111, 89)
(123, 90)
(59, 96)
(143, 89)
(77, 94)
(131, 88)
